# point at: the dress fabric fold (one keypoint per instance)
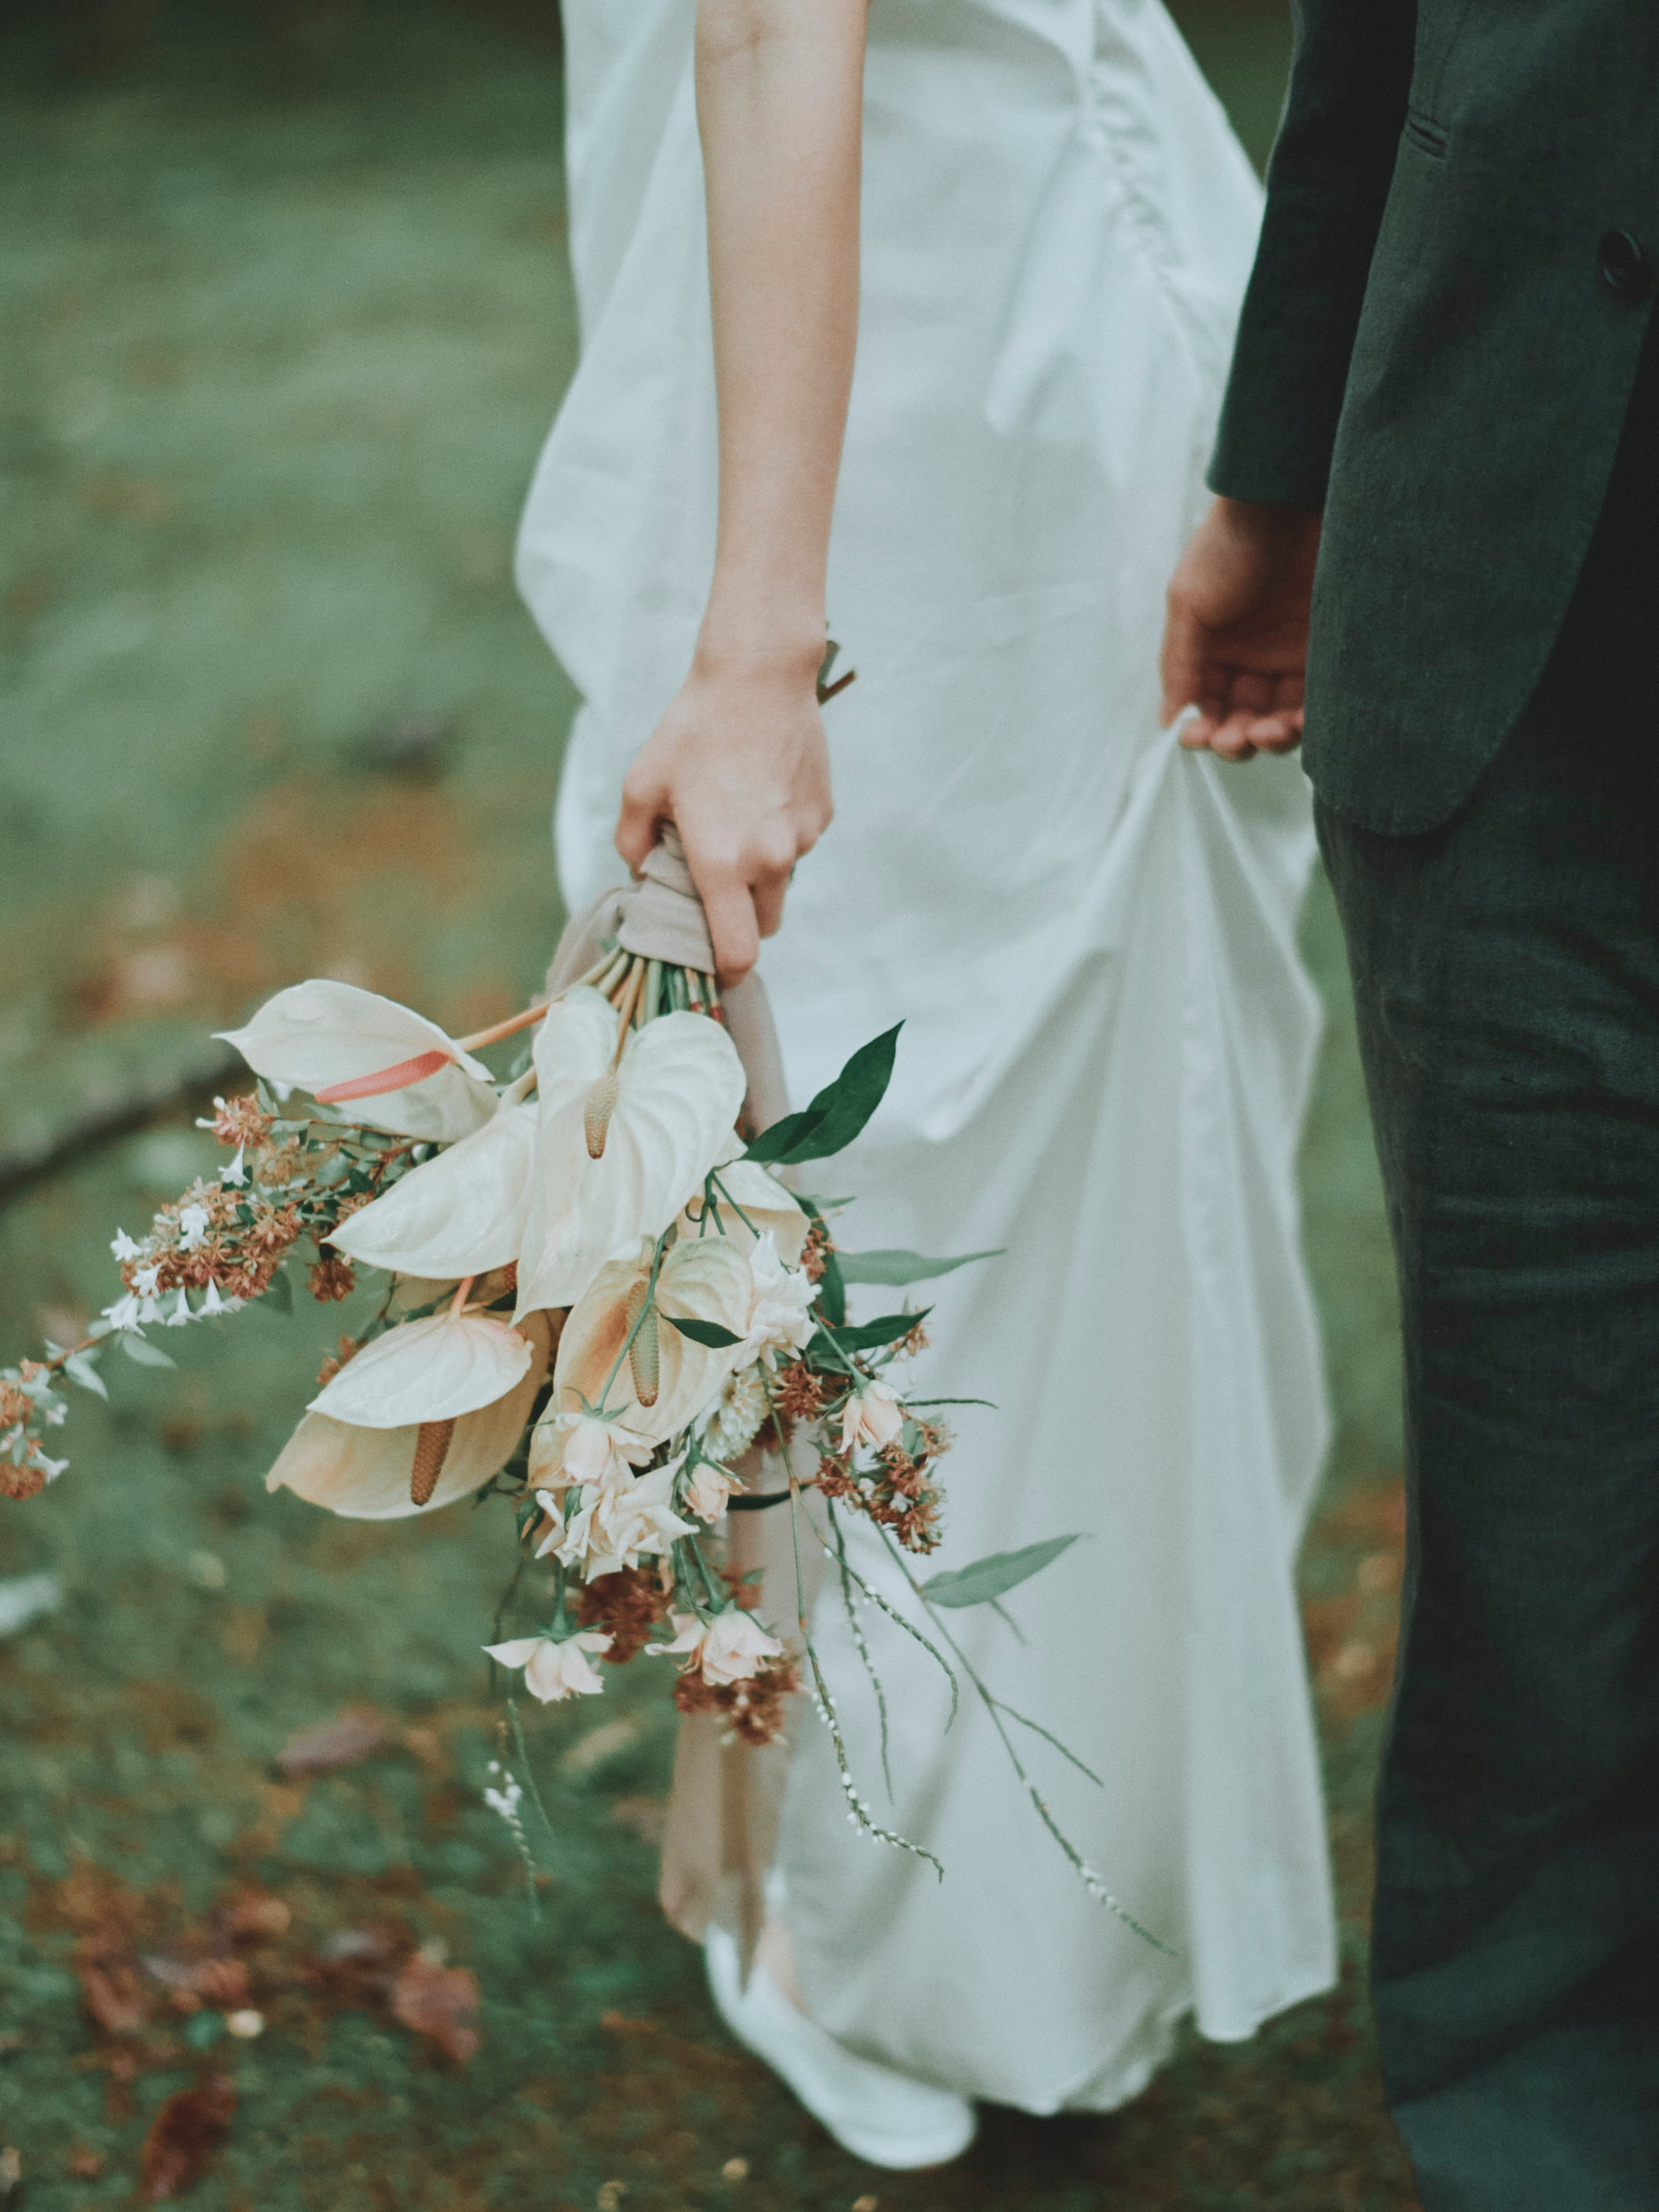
(1089, 935)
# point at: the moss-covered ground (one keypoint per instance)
(284, 317)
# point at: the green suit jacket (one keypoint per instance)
(1438, 347)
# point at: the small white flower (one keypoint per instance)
(123, 1246)
(193, 1224)
(144, 1280)
(235, 1172)
(123, 1314)
(211, 1302)
(780, 1319)
(553, 1670)
(51, 1468)
(739, 1411)
(181, 1314)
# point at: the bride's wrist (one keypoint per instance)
(749, 644)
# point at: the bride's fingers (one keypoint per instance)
(732, 925)
(644, 808)
(768, 896)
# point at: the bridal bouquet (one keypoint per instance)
(598, 1302)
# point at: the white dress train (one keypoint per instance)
(1089, 935)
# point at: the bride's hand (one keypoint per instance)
(738, 765)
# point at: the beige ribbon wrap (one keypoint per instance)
(723, 1806)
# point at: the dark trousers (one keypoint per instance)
(1507, 972)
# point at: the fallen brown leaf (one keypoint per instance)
(344, 1741)
(115, 1996)
(219, 1982)
(256, 1917)
(439, 2003)
(183, 2137)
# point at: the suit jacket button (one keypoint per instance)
(1626, 265)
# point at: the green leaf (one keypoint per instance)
(708, 1333)
(868, 1334)
(896, 1269)
(831, 1292)
(79, 1369)
(838, 1112)
(142, 1353)
(992, 1577)
(278, 1292)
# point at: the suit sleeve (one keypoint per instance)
(1327, 185)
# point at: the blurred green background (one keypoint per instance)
(283, 318)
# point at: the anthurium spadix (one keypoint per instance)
(622, 1141)
(367, 1470)
(389, 1067)
(461, 1212)
(644, 1393)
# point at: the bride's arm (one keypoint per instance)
(738, 762)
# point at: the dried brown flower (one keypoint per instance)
(629, 1603)
(798, 1394)
(753, 1709)
(815, 1251)
(19, 1481)
(239, 1121)
(331, 1278)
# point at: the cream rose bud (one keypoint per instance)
(872, 1416)
(708, 1491)
(733, 1646)
(555, 1670)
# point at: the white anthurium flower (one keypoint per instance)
(619, 1524)
(434, 1370)
(872, 1416)
(702, 1280)
(751, 1202)
(728, 1648)
(780, 1317)
(460, 1213)
(392, 1068)
(554, 1668)
(620, 1148)
(365, 1473)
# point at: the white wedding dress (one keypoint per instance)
(1089, 936)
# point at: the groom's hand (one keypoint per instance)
(1235, 642)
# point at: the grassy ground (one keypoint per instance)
(285, 318)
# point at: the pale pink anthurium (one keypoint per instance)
(700, 1279)
(621, 1144)
(383, 1065)
(554, 1668)
(460, 1213)
(360, 1464)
